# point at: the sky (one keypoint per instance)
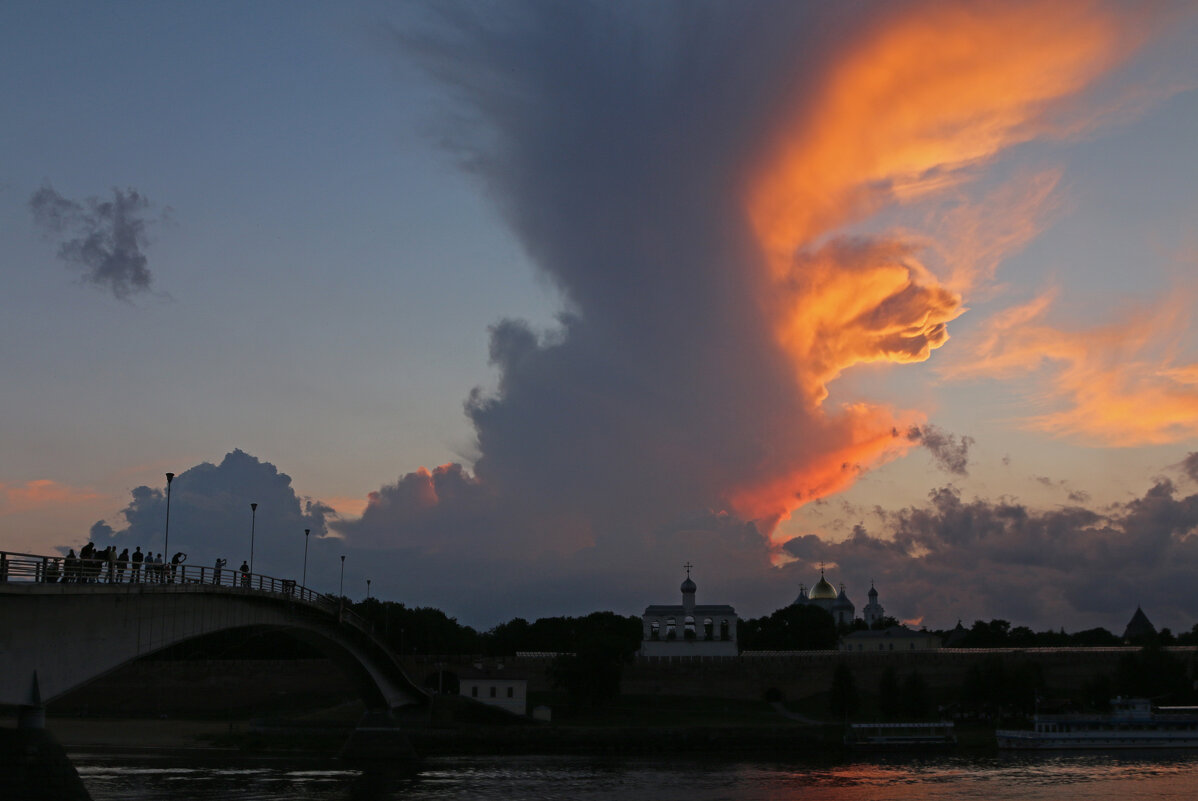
(521, 307)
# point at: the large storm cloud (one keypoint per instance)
(693, 179)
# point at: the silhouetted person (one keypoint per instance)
(122, 562)
(159, 569)
(110, 558)
(136, 559)
(216, 570)
(3, 567)
(53, 571)
(245, 574)
(176, 560)
(88, 567)
(72, 567)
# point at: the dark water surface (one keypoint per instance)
(182, 776)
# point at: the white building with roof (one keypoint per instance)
(688, 629)
(895, 638)
(496, 687)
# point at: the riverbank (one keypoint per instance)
(454, 726)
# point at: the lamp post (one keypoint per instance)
(304, 581)
(253, 522)
(166, 545)
(341, 593)
(368, 589)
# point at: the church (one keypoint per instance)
(837, 604)
(688, 629)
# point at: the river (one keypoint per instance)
(1072, 776)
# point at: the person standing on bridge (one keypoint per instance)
(176, 560)
(86, 555)
(136, 559)
(122, 562)
(217, 568)
(245, 573)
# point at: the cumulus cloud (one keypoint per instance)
(104, 238)
(695, 181)
(210, 517)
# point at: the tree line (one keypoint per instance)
(426, 630)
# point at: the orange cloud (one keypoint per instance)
(915, 107)
(41, 494)
(919, 99)
(1117, 384)
(860, 438)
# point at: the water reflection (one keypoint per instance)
(1126, 777)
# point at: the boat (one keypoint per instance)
(1131, 723)
(888, 736)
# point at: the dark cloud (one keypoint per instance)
(613, 139)
(950, 453)
(103, 237)
(1076, 567)
(211, 517)
(1190, 466)
(1075, 496)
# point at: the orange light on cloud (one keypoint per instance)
(946, 87)
(41, 494)
(867, 436)
(922, 101)
(1117, 384)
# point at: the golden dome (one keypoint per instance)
(822, 591)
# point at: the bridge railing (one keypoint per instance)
(36, 568)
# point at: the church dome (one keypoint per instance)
(688, 585)
(822, 591)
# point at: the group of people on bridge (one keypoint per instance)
(92, 565)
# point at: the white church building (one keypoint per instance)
(688, 629)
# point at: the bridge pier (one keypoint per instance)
(32, 713)
(31, 717)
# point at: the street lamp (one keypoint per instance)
(253, 521)
(341, 590)
(166, 545)
(304, 581)
(368, 589)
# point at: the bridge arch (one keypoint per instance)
(56, 637)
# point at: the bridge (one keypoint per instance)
(64, 624)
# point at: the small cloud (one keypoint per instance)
(103, 237)
(950, 452)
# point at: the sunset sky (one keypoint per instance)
(522, 306)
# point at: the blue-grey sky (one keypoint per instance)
(524, 306)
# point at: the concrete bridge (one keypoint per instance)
(63, 625)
